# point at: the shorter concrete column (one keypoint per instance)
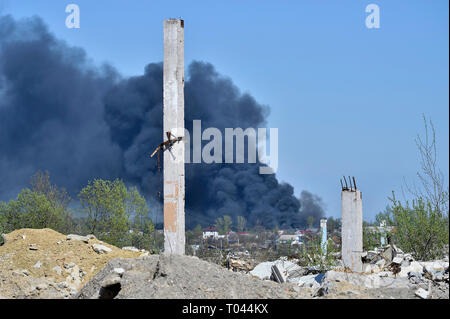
(352, 230)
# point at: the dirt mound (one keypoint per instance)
(42, 263)
(179, 277)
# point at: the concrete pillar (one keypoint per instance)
(173, 114)
(323, 228)
(383, 232)
(352, 230)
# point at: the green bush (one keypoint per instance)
(33, 210)
(110, 207)
(371, 239)
(314, 256)
(419, 228)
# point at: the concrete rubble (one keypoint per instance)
(178, 277)
(288, 270)
(164, 276)
(101, 249)
(387, 271)
(422, 293)
(78, 237)
(240, 262)
(60, 267)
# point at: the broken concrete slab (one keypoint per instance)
(78, 237)
(437, 265)
(119, 271)
(413, 267)
(415, 277)
(111, 280)
(388, 254)
(309, 281)
(290, 270)
(367, 281)
(278, 274)
(101, 249)
(263, 270)
(422, 293)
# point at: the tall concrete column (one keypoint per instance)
(352, 230)
(173, 113)
(323, 228)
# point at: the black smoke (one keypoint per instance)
(311, 205)
(60, 113)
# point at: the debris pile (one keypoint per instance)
(42, 263)
(178, 277)
(281, 270)
(240, 262)
(387, 272)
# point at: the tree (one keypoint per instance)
(276, 230)
(422, 226)
(143, 230)
(32, 210)
(241, 222)
(43, 206)
(310, 221)
(198, 231)
(58, 198)
(136, 205)
(40, 183)
(333, 224)
(144, 237)
(223, 224)
(432, 187)
(384, 216)
(371, 238)
(105, 203)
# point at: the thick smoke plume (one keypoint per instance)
(78, 121)
(311, 205)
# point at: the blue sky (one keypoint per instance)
(346, 99)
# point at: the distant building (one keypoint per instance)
(210, 232)
(300, 232)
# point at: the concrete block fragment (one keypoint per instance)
(278, 275)
(421, 293)
(101, 249)
(84, 239)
